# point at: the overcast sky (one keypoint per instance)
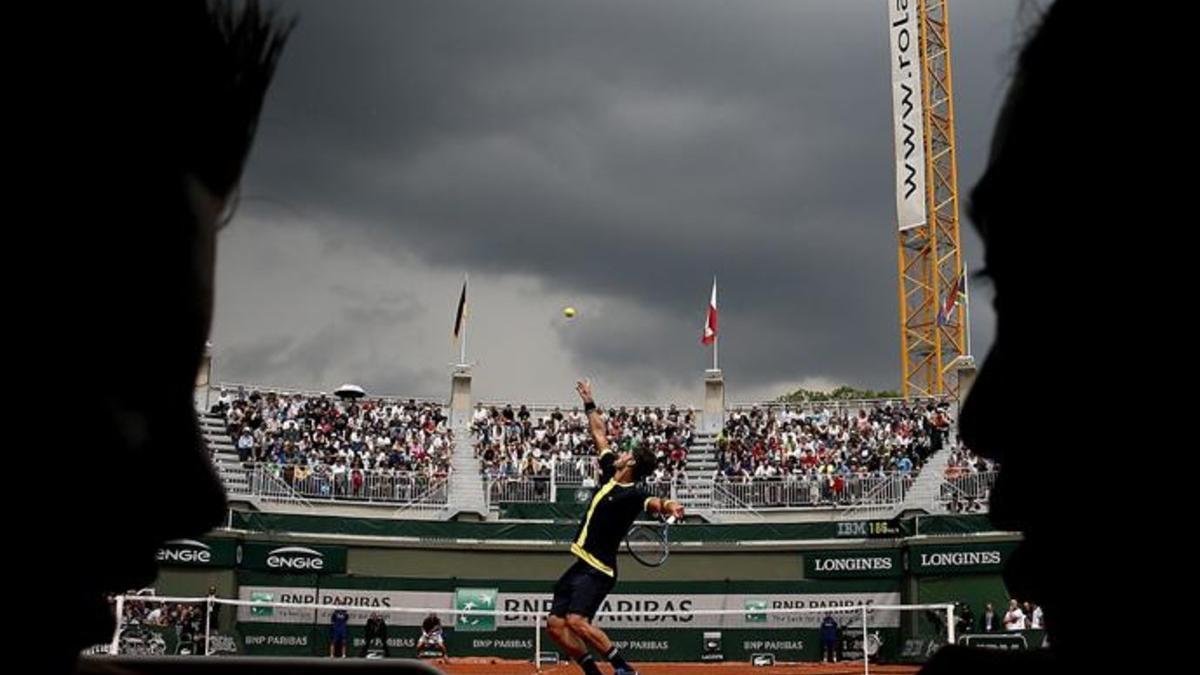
(612, 156)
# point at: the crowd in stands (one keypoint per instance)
(352, 443)
(186, 621)
(795, 444)
(374, 448)
(969, 480)
(512, 443)
(151, 612)
(963, 462)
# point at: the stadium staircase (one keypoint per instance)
(234, 476)
(224, 454)
(696, 492)
(922, 496)
(466, 499)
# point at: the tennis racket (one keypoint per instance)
(650, 543)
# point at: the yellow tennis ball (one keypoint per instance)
(569, 312)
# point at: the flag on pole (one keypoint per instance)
(461, 315)
(952, 300)
(710, 320)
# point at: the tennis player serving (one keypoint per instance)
(614, 505)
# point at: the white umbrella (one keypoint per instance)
(350, 391)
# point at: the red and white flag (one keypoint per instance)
(710, 321)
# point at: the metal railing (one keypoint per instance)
(837, 404)
(544, 489)
(968, 490)
(730, 495)
(760, 493)
(236, 389)
(361, 486)
(520, 490)
(722, 500)
(568, 471)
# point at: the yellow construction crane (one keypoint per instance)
(934, 349)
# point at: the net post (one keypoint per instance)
(208, 608)
(866, 657)
(115, 647)
(537, 642)
(950, 624)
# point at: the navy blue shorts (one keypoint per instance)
(581, 590)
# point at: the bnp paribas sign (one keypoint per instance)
(475, 599)
(198, 553)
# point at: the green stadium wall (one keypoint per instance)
(932, 560)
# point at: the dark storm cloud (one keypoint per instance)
(629, 150)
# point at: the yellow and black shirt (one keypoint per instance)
(613, 508)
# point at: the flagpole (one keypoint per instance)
(462, 354)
